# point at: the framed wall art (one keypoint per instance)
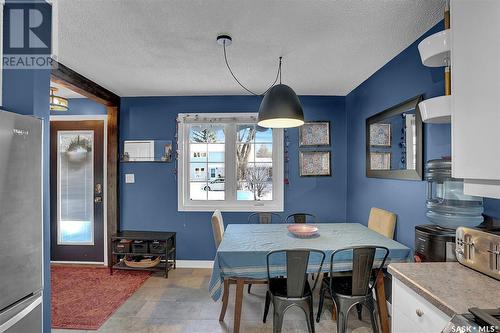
(380, 135)
(314, 134)
(380, 161)
(315, 163)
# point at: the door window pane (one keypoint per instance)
(75, 171)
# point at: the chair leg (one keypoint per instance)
(225, 297)
(277, 320)
(321, 301)
(311, 316)
(343, 308)
(341, 323)
(373, 319)
(359, 308)
(266, 306)
(249, 287)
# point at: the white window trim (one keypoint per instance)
(230, 204)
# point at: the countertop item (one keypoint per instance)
(450, 286)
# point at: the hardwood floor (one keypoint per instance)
(181, 303)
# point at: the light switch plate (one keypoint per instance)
(129, 178)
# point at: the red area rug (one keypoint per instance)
(84, 297)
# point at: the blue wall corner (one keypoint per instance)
(400, 79)
(151, 202)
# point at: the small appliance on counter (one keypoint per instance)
(447, 209)
(479, 250)
(434, 243)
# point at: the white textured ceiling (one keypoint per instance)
(155, 47)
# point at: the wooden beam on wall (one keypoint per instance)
(112, 171)
(72, 80)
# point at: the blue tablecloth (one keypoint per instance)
(244, 247)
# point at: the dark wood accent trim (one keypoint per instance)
(70, 79)
(112, 172)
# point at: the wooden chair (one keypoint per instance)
(382, 221)
(217, 227)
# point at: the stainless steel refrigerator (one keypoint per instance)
(20, 223)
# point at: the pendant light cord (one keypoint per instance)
(278, 74)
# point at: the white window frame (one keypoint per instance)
(230, 204)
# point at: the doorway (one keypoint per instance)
(78, 205)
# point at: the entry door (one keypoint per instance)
(77, 198)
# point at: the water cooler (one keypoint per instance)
(447, 208)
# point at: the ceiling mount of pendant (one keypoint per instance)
(224, 40)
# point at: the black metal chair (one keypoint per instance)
(264, 218)
(348, 290)
(300, 218)
(292, 290)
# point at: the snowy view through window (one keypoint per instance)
(207, 165)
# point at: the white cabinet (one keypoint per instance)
(475, 63)
(411, 313)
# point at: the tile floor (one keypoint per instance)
(181, 303)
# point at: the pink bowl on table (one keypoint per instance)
(303, 230)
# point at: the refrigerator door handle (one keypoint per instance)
(19, 316)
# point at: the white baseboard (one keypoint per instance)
(78, 262)
(195, 263)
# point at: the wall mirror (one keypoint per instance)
(147, 151)
(394, 142)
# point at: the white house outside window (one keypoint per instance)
(227, 162)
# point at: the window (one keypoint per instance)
(227, 162)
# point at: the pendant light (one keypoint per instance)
(57, 103)
(280, 107)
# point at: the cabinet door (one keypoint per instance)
(413, 314)
(475, 117)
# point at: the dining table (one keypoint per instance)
(241, 258)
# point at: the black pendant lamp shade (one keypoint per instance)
(280, 108)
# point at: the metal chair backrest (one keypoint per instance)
(300, 218)
(363, 258)
(297, 262)
(264, 218)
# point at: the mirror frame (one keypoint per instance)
(392, 111)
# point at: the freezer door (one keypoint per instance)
(20, 207)
(23, 317)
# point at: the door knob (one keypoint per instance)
(98, 189)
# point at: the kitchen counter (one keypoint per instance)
(449, 286)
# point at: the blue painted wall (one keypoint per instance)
(151, 203)
(402, 78)
(81, 106)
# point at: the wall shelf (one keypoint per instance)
(436, 110)
(435, 49)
